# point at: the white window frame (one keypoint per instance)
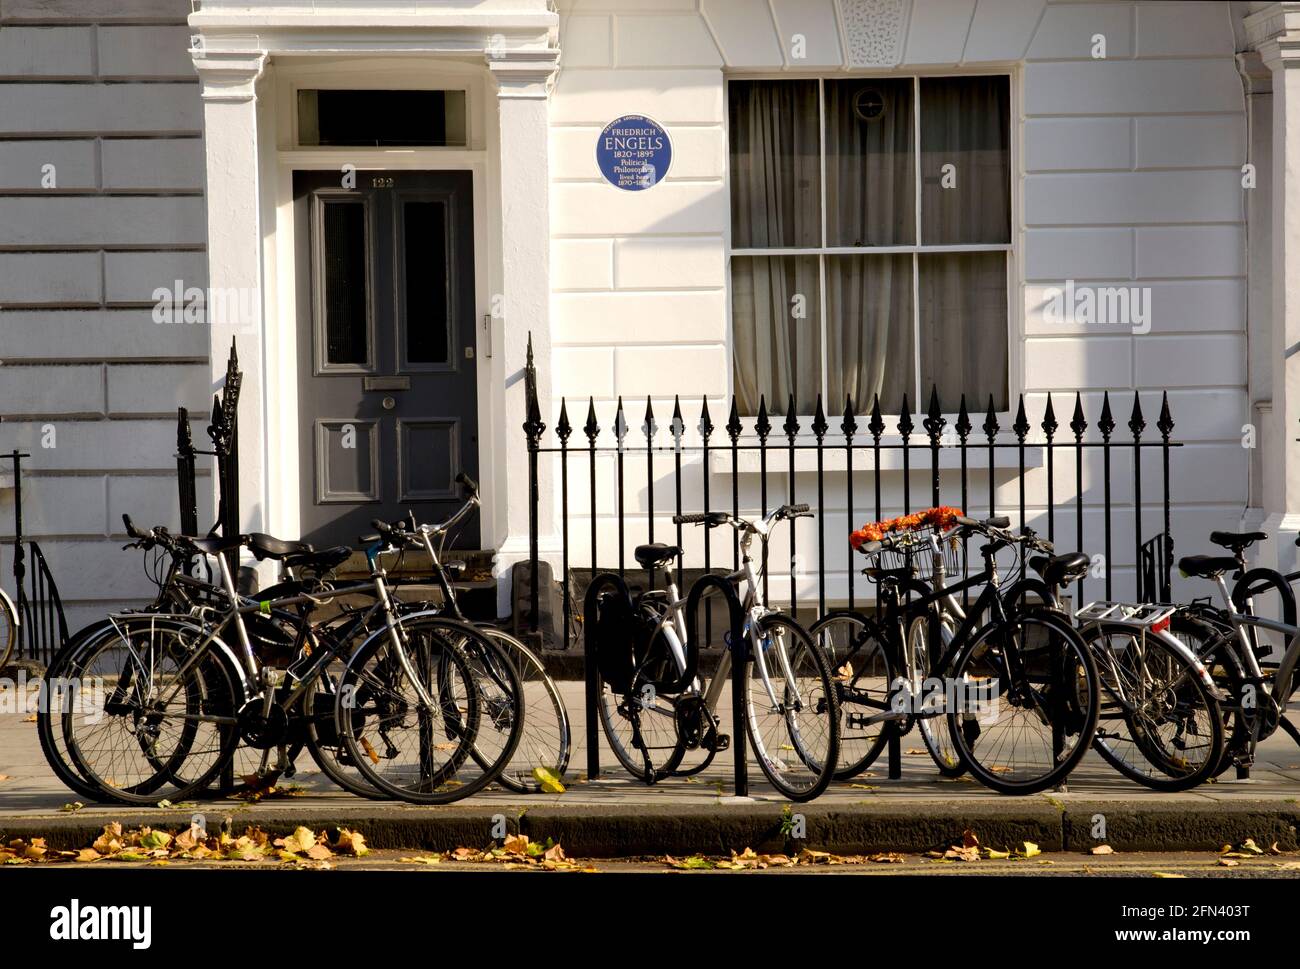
(919, 397)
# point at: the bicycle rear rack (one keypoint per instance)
(1137, 615)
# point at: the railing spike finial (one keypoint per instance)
(678, 426)
(733, 425)
(562, 426)
(1106, 423)
(1049, 424)
(1166, 420)
(963, 425)
(877, 423)
(1078, 423)
(706, 421)
(934, 422)
(905, 424)
(533, 425)
(762, 426)
(791, 425)
(620, 423)
(819, 425)
(1021, 425)
(591, 428)
(991, 426)
(648, 425)
(849, 425)
(1136, 422)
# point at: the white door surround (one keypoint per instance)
(250, 67)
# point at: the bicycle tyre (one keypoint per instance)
(1062, 701)
(1125, 699)
(842, 636)
(818, 695)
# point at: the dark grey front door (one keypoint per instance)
(387, 408)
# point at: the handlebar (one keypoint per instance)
(715, 518)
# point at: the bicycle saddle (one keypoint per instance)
(1236, 541)
(1206, 566)
(1060, 569)
(656, 554)
(265, 546)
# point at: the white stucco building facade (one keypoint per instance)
(1149, 147)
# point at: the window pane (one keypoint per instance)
(964, 327)
(776, 331)
(346, 298)
(775, 166)
(965, 122)
(869, 330)
(419, 118)
(425, 237)
(870, 163)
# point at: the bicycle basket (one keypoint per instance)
(914, 552)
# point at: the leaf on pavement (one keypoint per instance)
(549, 780)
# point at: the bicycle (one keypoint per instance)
(652, 706)
(546, 742)
(1018, 689)
(181, 698)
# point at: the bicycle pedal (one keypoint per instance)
(721, 742)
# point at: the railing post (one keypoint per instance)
(791, 428)
(533, 428)
(963, 428)
(1078, 424)
(934, 425)
(562, 430)
(763, 427)
(1021, 429)
(849, 426)
(20, 568)
(819, 428)
(1107, 427)
(186, 486)
(1166, 426)
(1049, 427)
(1137, 424)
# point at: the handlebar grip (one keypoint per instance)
(467, 481)
(967, 522)
(130, 527)
(798, 509)
(694, 518)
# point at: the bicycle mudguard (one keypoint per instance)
(1029, 585)
(225, 654)
(1258, 580)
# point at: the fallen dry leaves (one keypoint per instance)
(303, 848)
(516, 851)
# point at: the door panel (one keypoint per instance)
(387, 370)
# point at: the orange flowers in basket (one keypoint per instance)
(942, 517)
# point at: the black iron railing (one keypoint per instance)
(1153, 554)
(43, 627)
(223, 431)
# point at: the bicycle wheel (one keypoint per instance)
(546, 741)
(152, 717)
(1157, 724)
(411, 746)
(792, 716)
(1027, 705)
(923, 639)
(640, 723)
(863, 675)
(49, 714)
(8, 630)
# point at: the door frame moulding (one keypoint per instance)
(282, 157)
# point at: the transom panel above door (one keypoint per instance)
(387, 396)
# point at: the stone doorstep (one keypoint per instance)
(632, 830)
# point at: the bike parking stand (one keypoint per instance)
(609, 582)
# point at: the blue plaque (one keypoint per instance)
(634, 153)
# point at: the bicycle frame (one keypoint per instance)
(672, 625)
